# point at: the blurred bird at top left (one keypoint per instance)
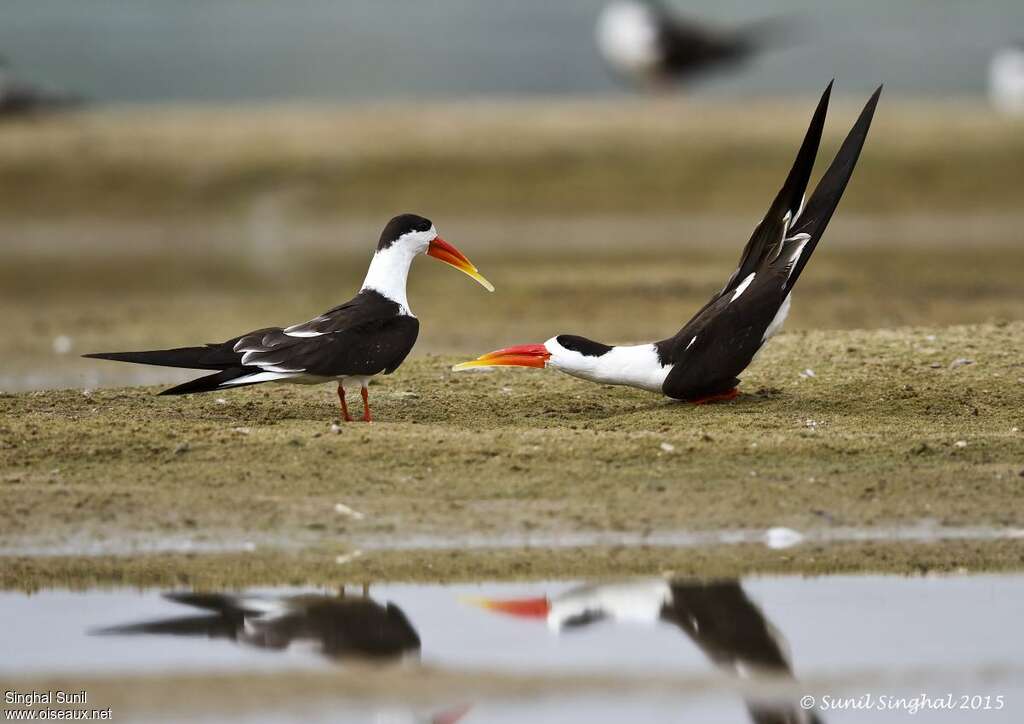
(20, 98)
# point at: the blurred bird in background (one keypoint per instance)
(644, 42)
(19, 98)
(1006, 79)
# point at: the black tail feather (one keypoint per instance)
(210, 626)
(826, 196)
(213, 382)
(792, 192)
(209, 357)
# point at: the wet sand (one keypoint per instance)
(908, 318)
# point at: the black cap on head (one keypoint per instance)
(400, 225)
(586, 347)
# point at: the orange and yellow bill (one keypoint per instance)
(441, 249)
(523, 607)
(524, 355)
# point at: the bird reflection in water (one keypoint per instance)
(718, 617)
(340, 627)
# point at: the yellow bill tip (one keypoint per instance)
(470, 365)
(477, 601)
(483, 281)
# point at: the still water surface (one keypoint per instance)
(247, 50)
(843, 636)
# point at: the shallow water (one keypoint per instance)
(230, 50)
(672, 649)
(924, 531)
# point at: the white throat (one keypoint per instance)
(388, 272)
(630, 602)
(631, 365)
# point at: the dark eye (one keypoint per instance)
(423, 225)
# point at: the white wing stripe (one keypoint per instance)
(742, 287)
(256, 377)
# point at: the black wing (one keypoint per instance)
(379, 345)
(726, 625)
(825, 199)
(317, 347)
(366, 335)
(369, 348)
(733, 632)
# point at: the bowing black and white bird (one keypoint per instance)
(645, 42)
(337, 627)
(700, 363)
(368, 335)
(717, 616)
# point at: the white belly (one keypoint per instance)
(349, 382)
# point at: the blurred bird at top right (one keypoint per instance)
(647, 44)
(1006, 79)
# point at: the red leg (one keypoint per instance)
(367, 417)
(720, 397)
(344, 405)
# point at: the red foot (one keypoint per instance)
(721, 397)
(367, 417)
(344, 405)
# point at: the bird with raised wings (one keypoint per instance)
(368, 335)
(718, 616)
(701, 362)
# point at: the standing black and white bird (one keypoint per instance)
(717, 616)
(700, 363)
(368, 335)
(643, 41)
(339, 627)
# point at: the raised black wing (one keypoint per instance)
(825, 199)
(723, 337)
(786, 206)
(733, 632)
